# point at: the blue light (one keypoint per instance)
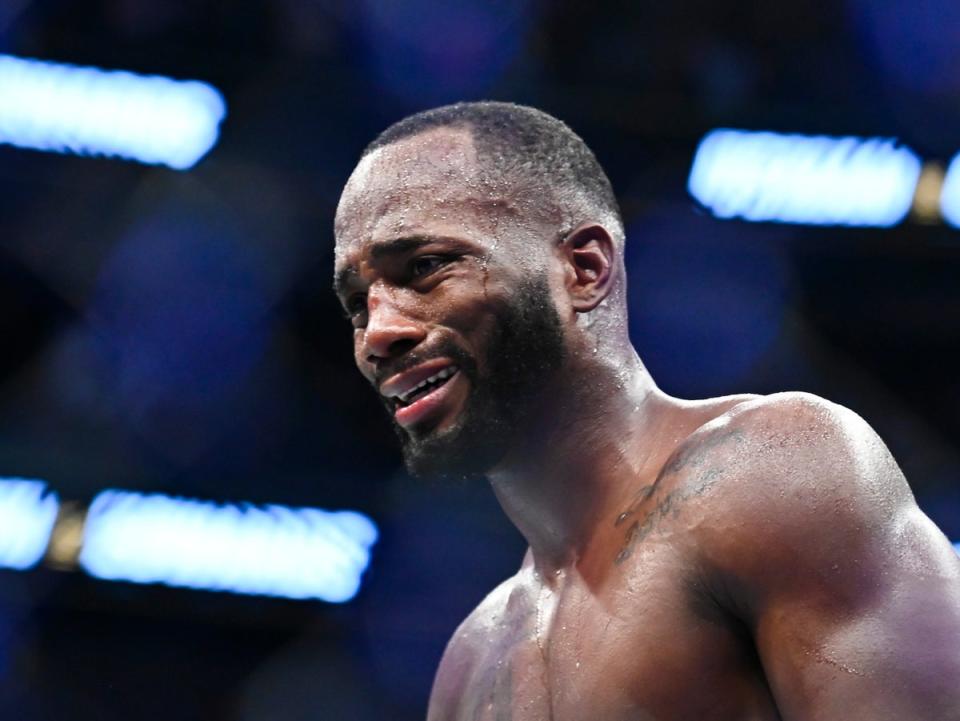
(910, 45)
(272, 550)
(709, 298)
(27, 514)
(815, 180)
(950, 193)
(429, 53)
(88, 111)
(956, 547)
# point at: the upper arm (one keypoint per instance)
(852, 594)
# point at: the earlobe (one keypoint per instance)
(590, 253)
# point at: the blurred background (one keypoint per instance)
(170, 330)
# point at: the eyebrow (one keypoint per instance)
(399, 246)
(381, 250)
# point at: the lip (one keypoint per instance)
(397, 385)
(430, 405)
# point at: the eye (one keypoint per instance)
(426, 264)
(354, 306)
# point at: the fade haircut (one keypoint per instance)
(516, 141)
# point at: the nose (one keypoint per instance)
(389, 332)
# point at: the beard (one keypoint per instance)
(524, 351)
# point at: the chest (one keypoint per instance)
(643, 649)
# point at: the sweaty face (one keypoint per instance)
(454, 327)
(506, 377)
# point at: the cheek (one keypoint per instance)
(358, 356)
(470, 307)
(557, 283)
(475, 319)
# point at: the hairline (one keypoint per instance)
(610, 218)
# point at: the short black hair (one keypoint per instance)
(519, 140)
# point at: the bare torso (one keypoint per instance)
(634, 631)
(646, 648)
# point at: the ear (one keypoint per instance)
(589, 254)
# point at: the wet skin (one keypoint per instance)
(736, 558)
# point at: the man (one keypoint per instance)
(737, 558)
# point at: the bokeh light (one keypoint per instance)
(814, 180)
(27, 514)
(88, 111)
(950, 193)
(174, 333)
(274, 551)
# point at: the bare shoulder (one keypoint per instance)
(771, 471)
(475, 631)
(800, 443)
(502, 602)
(791, 489)
(784, 441)
(789, 458)
(501, 610)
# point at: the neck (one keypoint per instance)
(582, 459)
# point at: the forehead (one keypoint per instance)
(428, 158)
(429, 184)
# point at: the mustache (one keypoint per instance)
(444, 349)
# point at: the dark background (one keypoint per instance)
(174, 331)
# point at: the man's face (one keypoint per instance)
(446, 281)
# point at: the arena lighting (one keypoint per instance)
(88, 111)
(816, 180)
(950, 194)
(271, 550)
(27, 514)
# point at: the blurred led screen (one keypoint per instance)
(815, 180)
(273, 550)
(88, 111)
(27, 514)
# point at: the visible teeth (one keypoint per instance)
(439, 376)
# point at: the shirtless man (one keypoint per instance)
(735, 558)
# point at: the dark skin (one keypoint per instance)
(735, 558)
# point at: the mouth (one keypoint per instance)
(423, 393)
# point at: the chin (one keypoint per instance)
(458, 452)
